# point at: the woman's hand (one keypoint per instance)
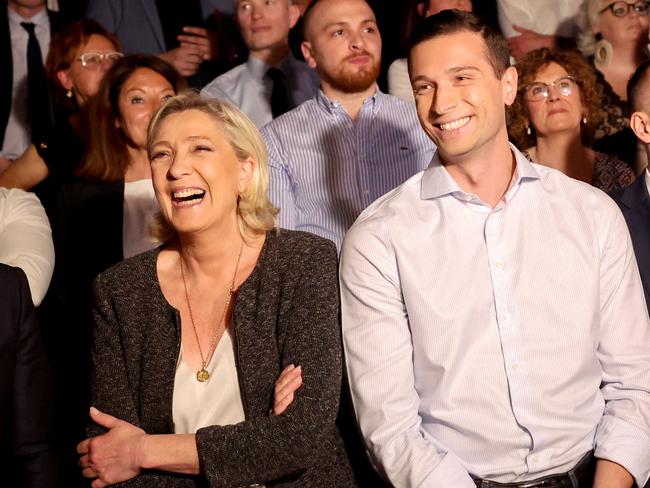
(285, 386)
(114, 456)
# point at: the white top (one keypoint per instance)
(18, 133)
(503, 342)
(140, 205)
(399, 83)
(647, 179)
(214, 402)
(26, 239)
(550, 17)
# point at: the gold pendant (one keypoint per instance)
(202, 375)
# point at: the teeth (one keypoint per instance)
(456, 124)
(188, 193)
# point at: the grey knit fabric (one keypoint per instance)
(286, 312)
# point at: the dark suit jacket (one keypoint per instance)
(7, 72)
(25, 397)
(635, 205)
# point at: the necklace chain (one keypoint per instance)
(202, 375)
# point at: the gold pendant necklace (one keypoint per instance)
(202, 375)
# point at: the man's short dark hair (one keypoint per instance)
(449, 22)
(636, 98)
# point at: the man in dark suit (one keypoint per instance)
(20, 21)
(26, 459)
(634, 200)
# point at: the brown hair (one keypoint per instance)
(107, 157)
(255, 213)
(449, 22)
(63, 49)
(575, 65)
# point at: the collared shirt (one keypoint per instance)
(18, 134)
(326, 168)
(502, 343)
(550, 17)
(248, 87)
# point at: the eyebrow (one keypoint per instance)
(343, 23)
(455, 69)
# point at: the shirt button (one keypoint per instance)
(515, 366)
(507, 316)
(534, 459)
(524, 418)
(499, 264)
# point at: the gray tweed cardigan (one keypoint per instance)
(286, 312)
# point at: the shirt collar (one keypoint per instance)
(41, 19)
(330, 106)
(258, 68)
(437, 182)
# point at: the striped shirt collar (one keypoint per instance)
(332, 106)
(437, 182)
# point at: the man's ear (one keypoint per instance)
(308, 54)
(640, 125)
(294, 15)
(509, 84)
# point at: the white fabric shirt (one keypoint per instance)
(214, 402)
(140, 205)
(26, 239)
(647, 182)
(18, 134)
(550, 17)
(504, 343)
(399, 82)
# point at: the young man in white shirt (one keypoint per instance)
(494, 323)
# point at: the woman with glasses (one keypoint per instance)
(614, 36)
(77, 60)
(554, 117)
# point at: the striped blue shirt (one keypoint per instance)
(326, 168)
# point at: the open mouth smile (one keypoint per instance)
(187, 197)
(454, 124)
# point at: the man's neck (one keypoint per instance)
(486, 175)
(271, 56)
(351, 102)
(25, 12)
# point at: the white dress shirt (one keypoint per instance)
(502, 343)
(26, 239)
(248, 87)
(550, 17)
(18, 133)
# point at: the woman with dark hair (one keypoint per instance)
(555, 114)
(190, 337)
(102, 216)
(77, 60)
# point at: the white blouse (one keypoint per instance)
(214, 402)
(140, 205)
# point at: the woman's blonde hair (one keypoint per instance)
(256, 214)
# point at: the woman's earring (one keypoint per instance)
(584, 119)
(528, 131)
(68, 94)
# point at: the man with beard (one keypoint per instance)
(335, 154)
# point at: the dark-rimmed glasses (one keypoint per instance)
(621, 9)
(93, 59)
(537, 90)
